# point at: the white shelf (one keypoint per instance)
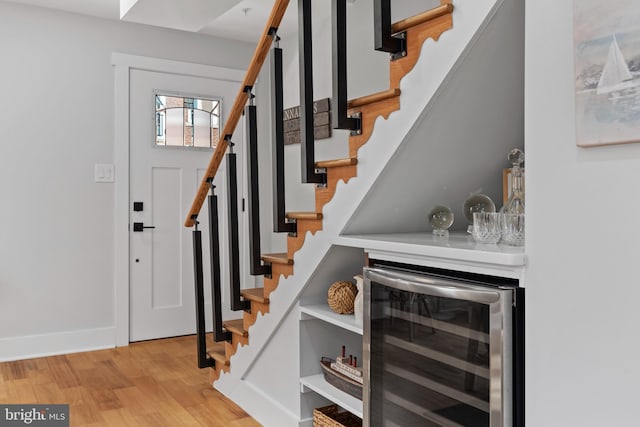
(323, 312)
(456, 252)
(458, 246)
(318, 384)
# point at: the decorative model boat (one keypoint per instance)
(344, 374)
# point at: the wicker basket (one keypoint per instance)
(340, 381)
(328, 416)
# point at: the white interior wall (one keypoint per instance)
(56, 225)
(582, 316)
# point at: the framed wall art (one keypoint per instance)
(607, 71)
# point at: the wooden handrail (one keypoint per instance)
(259, 56)
(430, 14)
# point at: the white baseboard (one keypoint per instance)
(307, 422)
(261, 406)
(31, 346)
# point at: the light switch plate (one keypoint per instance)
(104, 173)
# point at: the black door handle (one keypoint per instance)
(139, 226)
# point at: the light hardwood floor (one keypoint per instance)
(152, 383)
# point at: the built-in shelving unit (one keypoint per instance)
(323, 312)
(318, 384)
(324, 331)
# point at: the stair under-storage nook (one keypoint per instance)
(322, 330)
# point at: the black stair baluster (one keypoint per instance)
(251, 134)
(307, 149)
(219, 334)
(383, 39)
(339, 115)
(203, 360)
(236, 303)
(280, 225)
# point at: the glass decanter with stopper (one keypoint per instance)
(515, 204)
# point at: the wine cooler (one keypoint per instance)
(441, 350)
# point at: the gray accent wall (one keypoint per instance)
(460, 143)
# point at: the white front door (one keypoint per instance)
(165, 180)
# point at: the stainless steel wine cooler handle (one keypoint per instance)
(435, 286)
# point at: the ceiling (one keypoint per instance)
(232, 19)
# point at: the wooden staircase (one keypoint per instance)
(428, 25)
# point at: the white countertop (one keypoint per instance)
(459, 247)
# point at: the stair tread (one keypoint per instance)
(304, 215)
(217, 352)
(235, 327)
(255, 294)
(421, 18)
(279, 258)
(374, 97)
(325, 164)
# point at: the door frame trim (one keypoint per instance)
(123, 65)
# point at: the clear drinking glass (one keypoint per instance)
(487, 227)
(513, 229)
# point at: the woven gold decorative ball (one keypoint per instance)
(341, 296)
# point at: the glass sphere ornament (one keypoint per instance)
(441, 218)
(477, 202)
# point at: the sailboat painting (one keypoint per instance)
(607, 71)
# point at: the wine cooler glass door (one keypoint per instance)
(435, 351)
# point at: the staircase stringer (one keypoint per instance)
(420, 89)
